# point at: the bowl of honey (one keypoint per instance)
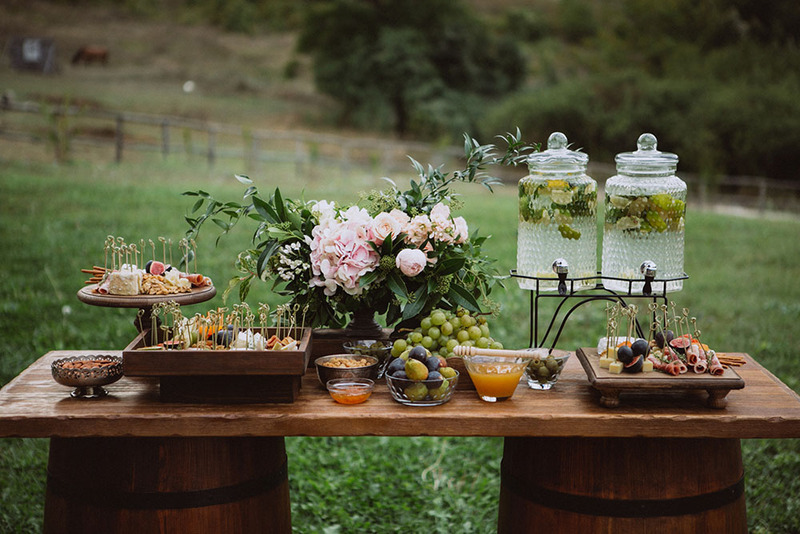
(495, 377)
(350, 390)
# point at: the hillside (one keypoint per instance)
(237, 78)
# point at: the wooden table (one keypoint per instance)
(665, 460)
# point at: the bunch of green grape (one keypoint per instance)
(442, 330)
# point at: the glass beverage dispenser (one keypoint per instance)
(645, 208)
(557, 218)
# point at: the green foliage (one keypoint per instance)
(732, 127)
(700, 75)
(526, 24)
(406, 56)
(576, 20)
(329, 286)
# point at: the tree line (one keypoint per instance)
(715, 80)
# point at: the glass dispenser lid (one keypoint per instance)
(558, 158)
(647, 159)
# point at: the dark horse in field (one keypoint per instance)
(90, 54)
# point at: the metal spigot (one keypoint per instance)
(561, 268)
(648, 269)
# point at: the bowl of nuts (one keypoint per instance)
(371, 347)
(87, 374)
(346, 366)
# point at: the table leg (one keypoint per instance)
(622, 485)
(167, 485)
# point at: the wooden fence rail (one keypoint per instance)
(141, 132)
(300, 147)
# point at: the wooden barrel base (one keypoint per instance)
(167, 485)
(622, 485)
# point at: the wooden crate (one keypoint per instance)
(221, 376)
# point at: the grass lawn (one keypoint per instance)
(54, 220)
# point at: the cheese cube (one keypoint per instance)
(647, 366)
(605, 361)
(615, 367)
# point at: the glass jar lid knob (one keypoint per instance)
(647, 159)
(558, 158)
(647, 141)
(557, 141)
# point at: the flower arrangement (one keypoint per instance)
(397, 252)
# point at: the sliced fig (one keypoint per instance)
(635, 366)
(156, 268)
(680, 344)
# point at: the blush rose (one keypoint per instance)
(411, 261)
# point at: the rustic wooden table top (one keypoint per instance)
(34, 405)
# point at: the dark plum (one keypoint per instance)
(400, 374)
(396, 365)
(434, 380)
(418, 353)
(433, 363)
(625, 354)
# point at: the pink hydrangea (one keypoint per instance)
(341, 253)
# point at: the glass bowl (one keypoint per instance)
(350, 390)
(371, 347)
(545, 368)
(495, 377)
(421, 392)
(345, 366)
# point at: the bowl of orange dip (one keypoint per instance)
(495, 377)
(350, 390)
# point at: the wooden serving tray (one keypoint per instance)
(221, 376)
(611, 385)
(88, 295)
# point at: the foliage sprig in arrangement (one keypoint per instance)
(401, 254)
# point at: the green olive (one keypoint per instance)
(543, 372)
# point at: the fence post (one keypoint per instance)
(299, 156)
(120, 138)
(255, 156)
(211, 145)
(345, 158)
(165, 138)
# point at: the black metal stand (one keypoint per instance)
(566, 291)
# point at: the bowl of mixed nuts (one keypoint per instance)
(346, 366)
(87, 374)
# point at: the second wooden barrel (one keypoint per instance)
(167, 485)
(622, 485)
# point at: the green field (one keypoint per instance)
(54, 220)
